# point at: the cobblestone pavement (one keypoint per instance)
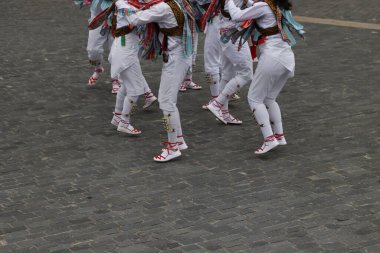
(70, 183)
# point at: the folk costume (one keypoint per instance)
(98, 39)
(275, 66)
(236, 70)
(188, 83)
(125, 65)
(210, 23)
(175, 20)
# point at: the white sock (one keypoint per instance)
(179, 127)
(214, 86)
(262, 118)
(120, 99)
(275, 116)
(230, 88)
(129, 103)
(98, 69)
(222, 84)
(189, 77)
(172, 119)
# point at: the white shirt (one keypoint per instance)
(263, 15)
(161, 14)
(261, 12)
(121, 19)
(226, 22)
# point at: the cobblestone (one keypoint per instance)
(70, 183)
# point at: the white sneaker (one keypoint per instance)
(231, 119)
(204, 107)
(216, 108)
(115, 86)
(182, 88)
(269, 143)
(181, 143)
(150, 98)
(193, 86)
(281, 139)
(170, 152)
(116, 119)
(127, 128)
(235, 97)
(95, 76)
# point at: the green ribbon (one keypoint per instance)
(123, 40)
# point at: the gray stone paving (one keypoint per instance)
(70, 183)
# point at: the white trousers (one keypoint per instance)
(236, 64)
(96, 43)
(173, 74)
(125, 65)
(212, 48)
(189, 74)
(269, 79)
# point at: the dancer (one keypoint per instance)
(272, 18)
(237, 71)
(176, 21)
(98, 39)
(212, 50)
(188, 83)
(125, 64)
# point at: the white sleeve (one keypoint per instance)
(121, 4)
(153, 14)
(253, 12)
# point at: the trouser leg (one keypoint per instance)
(95, 45)
(171, 123)
(129, 106)
(120, 99)
(173, 73)
(274, 115)
(212, 58)
(261, 115)
(242, 64)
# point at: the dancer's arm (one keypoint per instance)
(153, 14)
(254, 12)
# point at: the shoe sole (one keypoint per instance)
(184, 148)
(232, 123)
(129, 133)
(267, 150)
(164, 161)
(216, 115)
(229, 123)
